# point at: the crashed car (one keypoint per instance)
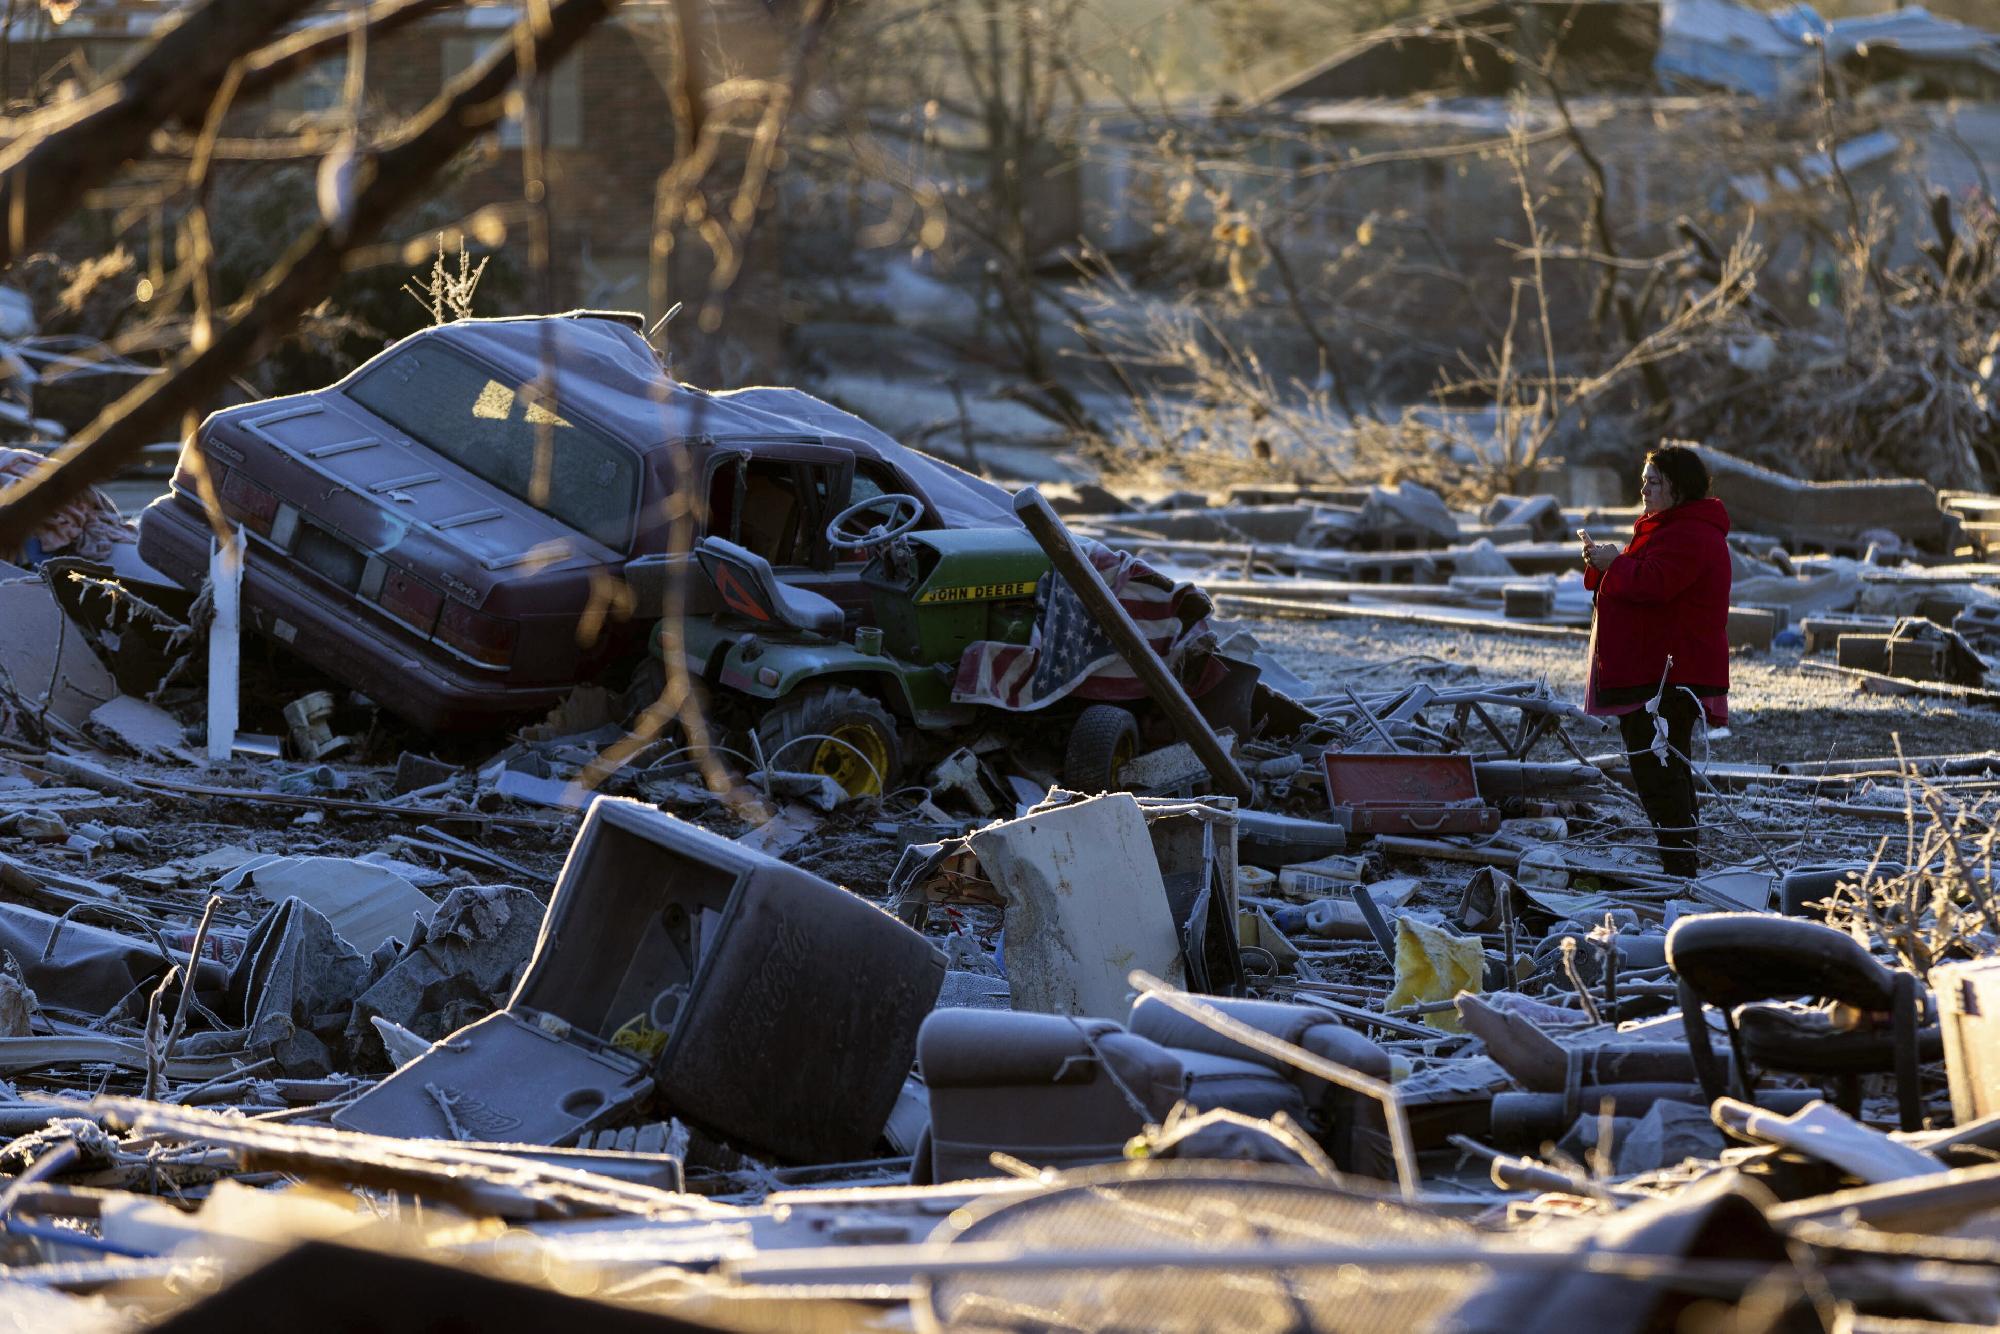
(443, 529)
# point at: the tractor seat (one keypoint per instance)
(750, 588)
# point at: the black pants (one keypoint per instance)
(1666, 789)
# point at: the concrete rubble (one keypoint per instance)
(1370, 1007)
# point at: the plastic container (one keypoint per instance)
(1264, 839)
(1328, 875)
(1256, 880)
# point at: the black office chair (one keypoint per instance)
(1738, 962)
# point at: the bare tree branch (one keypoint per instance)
(67, 150)
(391, 178)
(266, 68)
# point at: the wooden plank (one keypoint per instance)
(1433, 618)
(1898, 685)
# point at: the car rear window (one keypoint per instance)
(494, 430)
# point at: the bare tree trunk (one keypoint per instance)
(1612, 293)
(1295, 297)
(392, 179)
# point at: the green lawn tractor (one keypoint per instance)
(826, 692)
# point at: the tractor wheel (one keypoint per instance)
(643, 690)
(837, 731)
(1104, 740)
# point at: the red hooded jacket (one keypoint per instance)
(1666, 594)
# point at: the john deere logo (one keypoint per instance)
(978, 592)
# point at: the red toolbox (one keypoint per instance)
(1406, 794)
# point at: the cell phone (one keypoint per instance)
(1584, 534)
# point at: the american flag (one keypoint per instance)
(1067, 654)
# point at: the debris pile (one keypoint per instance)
(1192, 996)
(1815, 564)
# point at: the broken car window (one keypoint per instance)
(771, 513)
(492, 428)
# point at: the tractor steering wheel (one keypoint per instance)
(901, 513)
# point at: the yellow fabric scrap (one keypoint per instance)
(1434, 965)
(638, 1036)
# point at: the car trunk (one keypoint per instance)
(485, 576)
(408, 496)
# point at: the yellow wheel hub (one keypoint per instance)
(1122, 754)
(855, 756)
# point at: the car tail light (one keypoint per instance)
(484, 639)
(409, 599)
(248, 503)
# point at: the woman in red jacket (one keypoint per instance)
(1660, 633)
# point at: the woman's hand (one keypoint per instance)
(1601, 554)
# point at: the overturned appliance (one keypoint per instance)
(678, 969)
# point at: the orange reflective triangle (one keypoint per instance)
(738, 597)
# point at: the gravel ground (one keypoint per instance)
(1776, 711)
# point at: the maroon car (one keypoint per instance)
(431, 529)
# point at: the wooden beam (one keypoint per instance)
(1076, 570)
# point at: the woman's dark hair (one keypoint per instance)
(1684, 471)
